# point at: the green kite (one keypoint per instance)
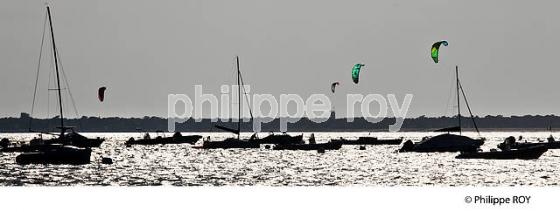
(356, 72)
(435, 50)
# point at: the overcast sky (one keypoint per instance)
(507, 51)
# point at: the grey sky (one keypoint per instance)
(507, 51)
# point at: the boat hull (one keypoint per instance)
(281, 139)
(444, 143)
(84, 143)
(230, 143)
(61, 155)
(529, 153)
(369, 141)
(167, 140)
(321, 146)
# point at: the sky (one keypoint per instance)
(506, 50)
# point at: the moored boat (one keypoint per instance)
(311, 146)
(177, 138)
(551, 143)
(448, 142)
(443, 143)
(364, 140)
(56, 154)
(66, 147)
(229, 143)
(75, 139)
(529, 153)
(236, 142)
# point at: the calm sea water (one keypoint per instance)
(181, 165)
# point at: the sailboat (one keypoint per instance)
(448, 142)
(233, 142)
(69, 147)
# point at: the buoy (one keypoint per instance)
(362, 147)
(108, 161)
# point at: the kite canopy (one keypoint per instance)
(435, 50)
(356, 72)
(101, 93)
(333, 86)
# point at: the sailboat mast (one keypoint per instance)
(458, 98)
(238, 98)
(57, 74)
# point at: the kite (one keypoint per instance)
(356, 72)
(435, 50)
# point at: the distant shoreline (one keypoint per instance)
(420, 124)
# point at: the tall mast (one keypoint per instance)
(238, 98)
(458, 98)
(57, 74)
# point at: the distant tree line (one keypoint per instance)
(422, 123)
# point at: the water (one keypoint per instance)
(181, 165)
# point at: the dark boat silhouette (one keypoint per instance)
(443, 143)
(68, 147)
(236, 142)
(550, 144)
(177, 138)
(317, 146)
(528, 153)
(364, 140)
(68, 138)
(312, 145)
(280, 139)
(75, 139)
(230, 143)
(448, 142)
(56, 154)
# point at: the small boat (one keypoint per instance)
(312, 145)
(56, 154)
(229, 143)
(177, 138)
(317, 146)
(75, 139)
(550, 144)
(364, 140)
(38, 143)
(529, 153)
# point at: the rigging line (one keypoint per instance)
(246, 98)
(51, 76)
(67, 84)
(449, 96)
(37, 75)
(469, 108)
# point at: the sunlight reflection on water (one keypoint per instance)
(182, 165)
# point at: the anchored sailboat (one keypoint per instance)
(234, 142)
(448, 142)
(69, 147)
